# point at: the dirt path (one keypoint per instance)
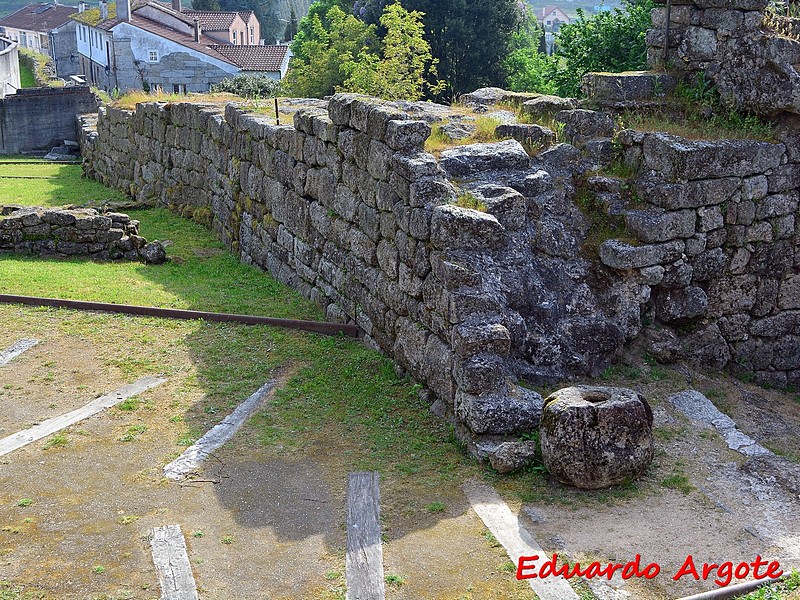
(268, 522)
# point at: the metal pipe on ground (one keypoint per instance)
(733, 591)
(173, 313)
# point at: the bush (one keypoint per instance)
(249, 86)
(612, 41)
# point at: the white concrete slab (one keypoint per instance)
(192, 458)
(37, 432)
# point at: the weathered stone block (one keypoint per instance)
(469, 339)
(476, 158)
(453, 227)
(681, 305)
(619, 255)
(609, 89)
(659, 226)
(596, 437)
(407, 135)
(678, 159)
(505, 412)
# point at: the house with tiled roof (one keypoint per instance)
(47, 28)
(237, 28)
(552, 17)
(148, 44)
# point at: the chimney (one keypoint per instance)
(103, 10)
(81, 6)
(124, 10)
(196, 29)
(176, 5)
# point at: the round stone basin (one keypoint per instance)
(593, 437)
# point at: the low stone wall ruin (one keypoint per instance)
(67, 233)
(346, 207)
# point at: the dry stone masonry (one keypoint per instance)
(736, 47)
(347, 207)
(76, 232)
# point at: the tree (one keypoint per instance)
(327, 52)
(528, 66)
(206, 5)
(470, 39)
(405, 59)
(305, 29)
(291, 27)
(608, 41)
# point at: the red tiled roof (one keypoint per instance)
(41, 17)
(212, 21)
(255, 58)
(245, 14)
(206, 45)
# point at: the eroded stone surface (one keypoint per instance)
(596, 437)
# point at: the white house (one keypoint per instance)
(149, 44)
(48, 29)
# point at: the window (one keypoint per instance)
(234, 38)
(252, 37)
(152, 56)
(179, 88)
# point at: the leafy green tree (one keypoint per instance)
(327, 53)
(608, 41)
(291, 27)
(528, 66)
(405, 59)
(206, 5)
(471, 40)
(305, 29)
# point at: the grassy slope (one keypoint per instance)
(26, 78)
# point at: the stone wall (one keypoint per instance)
(717, 241)
(346, 207)
(40, 118)
(79, 232)
(753, 67)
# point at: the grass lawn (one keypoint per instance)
(49, 185)
(26, 78)
(787, 590)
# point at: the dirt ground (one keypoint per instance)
(261, 524)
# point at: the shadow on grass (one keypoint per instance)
(345, 409)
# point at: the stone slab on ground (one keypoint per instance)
(37, 432)
(193, 457)
(697, 407)
(505, 526)
(172, 563)
(15, 349)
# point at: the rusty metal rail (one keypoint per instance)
(733, 591)
(174, 313)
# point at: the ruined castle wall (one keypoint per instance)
(347, 208)
(717, 240)
(751, 60)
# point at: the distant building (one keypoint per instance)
(45, 28)
(237, 28)
(147, 45)
(552, 18)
